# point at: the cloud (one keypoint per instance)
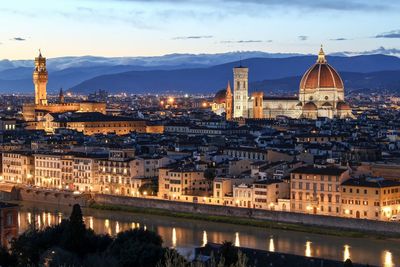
(302, 37)
(380, 50)
(245, 41)
(391, 34)
(339, 39)
(20, 39)
(193, 37)
(338, 5)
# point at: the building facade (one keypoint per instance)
(33, 112)
(316, 190)
(321, 94)
(370, 198)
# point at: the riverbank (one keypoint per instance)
(308, 223)
(243, 221)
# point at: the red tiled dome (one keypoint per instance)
(220, 97)
(343, 106)
(321, 75)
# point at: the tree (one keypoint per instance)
(150, 188)
(6, 259)
(137, 247)
(210, 174)
(348, 263)
(73, 238)
(229, 252)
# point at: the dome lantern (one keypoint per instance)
(321, 56)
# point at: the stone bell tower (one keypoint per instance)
(240, 92)
(40, 78)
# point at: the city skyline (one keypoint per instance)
(138, 28)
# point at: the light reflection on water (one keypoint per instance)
(188, 234)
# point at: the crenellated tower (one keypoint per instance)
(40, 78)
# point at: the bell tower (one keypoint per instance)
(240, 92)
(40, 78)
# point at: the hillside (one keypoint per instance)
(180, 72)
(282, 73)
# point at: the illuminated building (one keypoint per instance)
(34, 112)
(260, 194)
(316, 190)
(370, 198)
(176, 182)
(321, 94)
(90, 123)
(18, 167)
(54, 170)
(8, 223)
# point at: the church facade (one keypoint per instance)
(34, 112)
(321, 94)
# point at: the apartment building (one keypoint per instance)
(85, 173)
(370, 198)
(316, 190)
(18, 167)
(48, 170)
(260, 194)
(176, 182)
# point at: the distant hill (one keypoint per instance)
(373, 81)
(280, 72)
(177, 72)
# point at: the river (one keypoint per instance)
(185, 234)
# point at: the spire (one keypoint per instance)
(40, 53)
(321, 56)
(228, 89)
(61, 96)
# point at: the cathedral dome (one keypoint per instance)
(343, 106)
(310, 106)
(220, 97)
(321, 75)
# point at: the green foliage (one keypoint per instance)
(73, 238)
(210, 174)
(6, 259)
(229, 252)
(137, 247)
(348, 263)
(150, 188)
(172, 259)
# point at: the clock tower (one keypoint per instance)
(40, 78)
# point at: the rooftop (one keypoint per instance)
(320, 170)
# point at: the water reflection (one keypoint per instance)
(117, 228)
(388, 262)
(237, 240)
(308, 249)
(174, 237)
(204, 239)
(271, 245)
(346, 252)
(187, 234)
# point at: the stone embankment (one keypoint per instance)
(33, 194)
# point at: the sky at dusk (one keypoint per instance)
(157, 27)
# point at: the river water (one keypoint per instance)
(185, 234)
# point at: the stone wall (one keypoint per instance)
(54, 197)
(278, 216)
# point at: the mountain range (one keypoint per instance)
(197, 73)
